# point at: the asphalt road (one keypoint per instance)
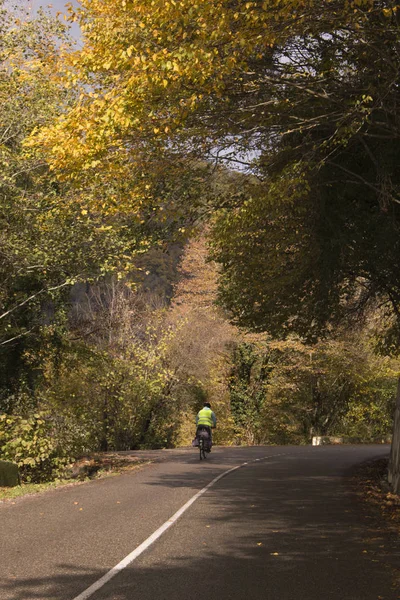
(287, 527)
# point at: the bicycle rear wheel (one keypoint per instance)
(202, 449)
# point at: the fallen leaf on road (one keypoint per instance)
(208, 525)
(118, 502)
(365, 551)
(259, 543)
(274, 553)
(81, 509)
(76, 503)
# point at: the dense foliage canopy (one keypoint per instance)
(132, 138)
(303, 94)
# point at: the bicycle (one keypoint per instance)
(202, 448)
(203, 441)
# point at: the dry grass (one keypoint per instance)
(95, 466)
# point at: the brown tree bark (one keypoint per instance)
(394, 461)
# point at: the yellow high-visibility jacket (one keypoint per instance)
(206, 417)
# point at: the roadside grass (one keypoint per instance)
(86, 469)
(11, 493)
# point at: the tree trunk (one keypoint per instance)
(394, 461)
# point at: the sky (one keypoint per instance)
(55, 6)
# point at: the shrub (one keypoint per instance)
(30, 444)
(9, 476)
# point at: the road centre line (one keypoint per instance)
(157, 534)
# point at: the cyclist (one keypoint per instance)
(205, 421)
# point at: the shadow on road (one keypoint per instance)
(260, 534)
(245, 570)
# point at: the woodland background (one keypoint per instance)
(209, 213)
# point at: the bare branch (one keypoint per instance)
(39, 293)
(16, 337)
(363, 180)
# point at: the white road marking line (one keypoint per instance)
(154, 536)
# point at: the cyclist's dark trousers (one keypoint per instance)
(204, 428)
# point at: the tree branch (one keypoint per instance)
(42, 291)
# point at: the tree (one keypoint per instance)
(309, 89)
(313, 98)
(288, 391)
(50, 239)
(155, 75)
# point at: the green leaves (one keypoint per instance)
(29, 442)
(285, 392)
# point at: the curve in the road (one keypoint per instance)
(158, 533)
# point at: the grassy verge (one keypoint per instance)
(97, 466)
(8, 493)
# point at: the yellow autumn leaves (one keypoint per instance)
(146, 68)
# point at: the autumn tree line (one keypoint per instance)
(201, 201)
